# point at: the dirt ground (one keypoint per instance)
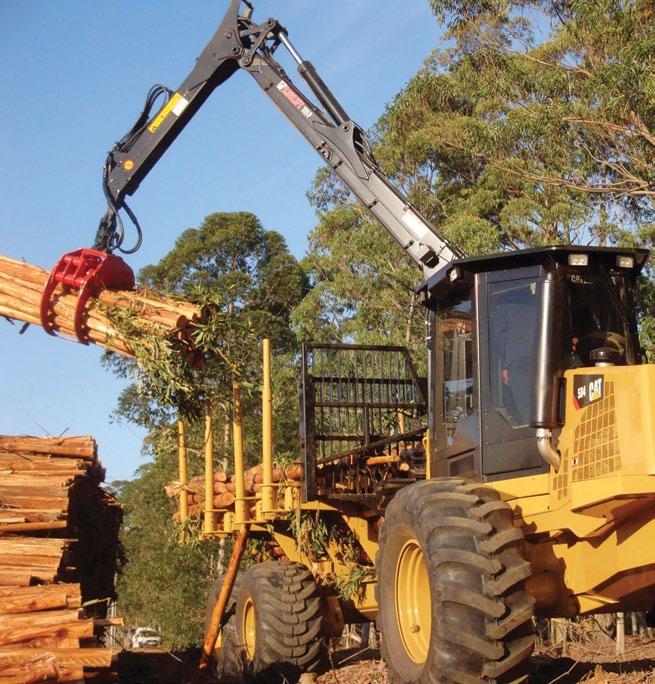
(592, 662)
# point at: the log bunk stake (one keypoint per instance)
(58, 550)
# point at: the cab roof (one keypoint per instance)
(548, 257)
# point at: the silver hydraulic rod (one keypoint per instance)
(316, 84)
(284, 39)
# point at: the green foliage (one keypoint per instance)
(540, 115)
(163, 583)
(286, 406)
(248, 270)
(363, 284)
(317, 538)
(312, 534)
(349, 586)
(532, 123)
(167, 383)
(247, 280)
(258, 550)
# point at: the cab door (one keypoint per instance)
(509, 315)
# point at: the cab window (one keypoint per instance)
(513, 317)
(457, 334)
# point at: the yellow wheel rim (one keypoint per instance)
(249, 635)
(413, 604)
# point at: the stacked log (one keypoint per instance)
(22, 284)
(58, 550)
(225, 486)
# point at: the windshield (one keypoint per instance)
(592, 311)
(597, 317)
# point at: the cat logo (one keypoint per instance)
(587, 389)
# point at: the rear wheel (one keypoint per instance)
(450, 586)
(278, 622)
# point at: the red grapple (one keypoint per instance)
(89, 271)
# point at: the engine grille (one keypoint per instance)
(596, 442)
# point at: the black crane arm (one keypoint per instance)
(239, 43)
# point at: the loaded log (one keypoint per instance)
(22, 285)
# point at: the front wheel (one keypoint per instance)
(450, 587)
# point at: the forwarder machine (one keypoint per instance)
(530, 492)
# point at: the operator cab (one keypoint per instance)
(541, 312)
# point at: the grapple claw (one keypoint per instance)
(89, 271)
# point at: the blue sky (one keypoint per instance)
(74, 76)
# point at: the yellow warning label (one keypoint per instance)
(165, 111)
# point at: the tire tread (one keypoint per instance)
(484, 629)
(288, 613)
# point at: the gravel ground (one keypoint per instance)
(594, 663)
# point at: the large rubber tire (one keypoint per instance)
(457, 541)
(278, 622)
(229, 667)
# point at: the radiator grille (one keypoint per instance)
(596, 442)
(561, 481)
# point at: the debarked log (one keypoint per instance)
(22, 284)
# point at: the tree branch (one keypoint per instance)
(629, 186)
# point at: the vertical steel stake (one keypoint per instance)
(182, 463)
(209, 522)
(239, 470)
(267, 430)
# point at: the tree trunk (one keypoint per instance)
(620, 633)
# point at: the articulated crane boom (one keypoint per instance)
(239, 43)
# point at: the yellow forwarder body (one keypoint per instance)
(531, 493)
(590, 527)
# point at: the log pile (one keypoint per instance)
(22, 284)
(58, 553)
(225, 486)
